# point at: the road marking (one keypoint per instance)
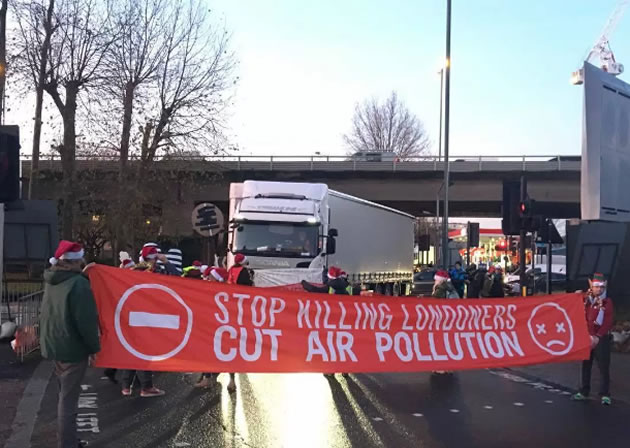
(549, 401)
(454, 411)
(26, 413)
(417, 414)
(519, 404)
(377, 419)
(182, 444)
(152, 320)
(488, 407)
(564, 392)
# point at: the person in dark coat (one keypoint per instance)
(477, 278)
(68, 333)
(336, 283)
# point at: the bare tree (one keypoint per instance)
(387, 127)
(193, 84)
(35, 23)
(76, 53)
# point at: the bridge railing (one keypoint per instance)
(332, 162)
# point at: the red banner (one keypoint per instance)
(156, 322)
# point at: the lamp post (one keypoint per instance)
(447, 101)
(441, 73)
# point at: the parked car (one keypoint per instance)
(537, 278)
(423, 283)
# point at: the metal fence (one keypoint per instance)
(322, 162)
(21, 303)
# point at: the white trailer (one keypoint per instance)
(292, 231)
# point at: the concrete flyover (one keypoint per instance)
(412, 186)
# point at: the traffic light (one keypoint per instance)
(513, 243)
(501, 246)
(527, 211)
(9, 164)
(472, 233)
(511, 223)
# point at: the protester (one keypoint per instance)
(175, 257)
(150, 258)
(458, 278)
(68, 333)
(336, 283)
(193, 271)
(477, 279)
(496, 288)
(443, 288)
(215, 274)
(599, 320)
(125, 260)
(239, 274)
(125, 263)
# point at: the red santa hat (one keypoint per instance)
(334, 272)
(196, 264)
(149, 253)
(67, 250)
(127, 263)
(441, 276)
(219, 274)
(240, 259)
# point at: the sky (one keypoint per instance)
(304, 65)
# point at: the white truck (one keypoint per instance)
(293, 231)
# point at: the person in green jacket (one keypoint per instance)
(68, 333)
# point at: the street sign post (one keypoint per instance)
(208, 221)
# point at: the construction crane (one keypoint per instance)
(601, 50)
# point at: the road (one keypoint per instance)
(469, 409)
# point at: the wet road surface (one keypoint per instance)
(468, 409)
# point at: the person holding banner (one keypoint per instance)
(336, 283)
(155, 262)
(443, 288)
(599, 320)
(68, 333)
(215, 274)
(239, 274)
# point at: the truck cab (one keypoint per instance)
(278, 224)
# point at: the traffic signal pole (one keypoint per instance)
(521, 244)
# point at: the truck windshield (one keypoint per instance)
(276, 239)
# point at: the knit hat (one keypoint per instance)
(598, 279)
(174, 257)
(149, 253)
(441, 276)
(67, 250)
(240, 259)
(150, 244)
(334, 272)
(219, 274)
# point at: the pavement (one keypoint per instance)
(487, 408)
(14, 377)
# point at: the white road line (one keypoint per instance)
(549, 401)
(377, 419)
(26, 413)
(142, 319)
(488, 407)
(519, 404)
(454, 411)
(417, 414)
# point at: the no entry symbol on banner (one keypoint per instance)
(165, 317)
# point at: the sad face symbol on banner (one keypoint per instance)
(550, 328)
